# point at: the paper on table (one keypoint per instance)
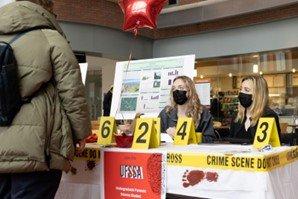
(166, 138)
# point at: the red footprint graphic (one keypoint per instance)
(212, 176)
(192, 178)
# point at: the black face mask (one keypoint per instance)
(180, 97)
(245, 99)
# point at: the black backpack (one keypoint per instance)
(10, 99)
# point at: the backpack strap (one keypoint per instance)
(26, 100)
(18, 36)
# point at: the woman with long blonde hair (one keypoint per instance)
(185, 102)
(254, 100)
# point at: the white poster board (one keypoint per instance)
(203, 90)
(144, 85)
(84, 68)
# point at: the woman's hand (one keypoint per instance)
(138, 115)
(171, 132)
(133, 124)
(124, 127)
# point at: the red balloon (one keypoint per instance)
(140, 13)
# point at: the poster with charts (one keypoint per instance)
(144, 85)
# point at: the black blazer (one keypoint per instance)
(235, 128)
(169, 119)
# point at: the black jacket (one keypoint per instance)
(169, 119)
(107, 101)
(238, 126)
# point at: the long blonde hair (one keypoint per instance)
(194, 108)
(260, 99)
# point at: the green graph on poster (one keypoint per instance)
(128, 104)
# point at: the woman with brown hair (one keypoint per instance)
(185, 102)
(254, 99)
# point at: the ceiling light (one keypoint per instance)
(230, 75)
(201, 76)
(261, 73)
(294, 70)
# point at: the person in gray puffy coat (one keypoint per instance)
(40, 142)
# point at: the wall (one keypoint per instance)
(103, 66)
(228, 13)
(264, 37)
(110, 42)
(106, 41)
(204, 16)
(107, 67)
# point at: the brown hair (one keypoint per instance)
(46, 4)
(260, 99)
(194, 108)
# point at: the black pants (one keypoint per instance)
(35, 185)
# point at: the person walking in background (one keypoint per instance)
(46, 132)
(185, 102)
(254, 103)
(107, 102)
(216, 107)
